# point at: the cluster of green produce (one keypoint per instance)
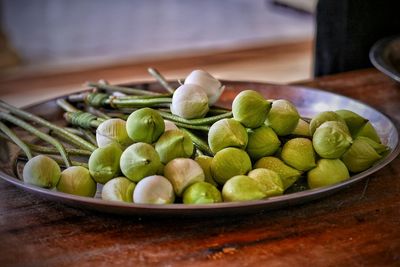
(155, 148)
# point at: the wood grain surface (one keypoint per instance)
(359, 226)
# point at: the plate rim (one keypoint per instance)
(375, 56)
(224, 207)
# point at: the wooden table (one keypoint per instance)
(359, 226)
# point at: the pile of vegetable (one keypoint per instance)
(177, 147)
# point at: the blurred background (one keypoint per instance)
(265, 40)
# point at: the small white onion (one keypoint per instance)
(189, 101)
(118, 189)
(154, 189)
(212, 86)
(113, 131)
(182, 172)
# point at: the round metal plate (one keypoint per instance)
(308, 101)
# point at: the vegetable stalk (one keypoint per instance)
(122, 89)
(41, 135)
(13, 137)
(157, 75)
(202, 121)
(78, 141)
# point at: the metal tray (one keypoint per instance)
(385, 56)
(308, 101)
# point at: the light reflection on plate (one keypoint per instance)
(385, 56)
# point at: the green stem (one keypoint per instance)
(10, 134)
(167, 110)
(137, 103)
(76, 140)
(128, 97)
(198, 153)
(83, 132)
(202, 121)
(47, 150)
(157, 75)
(39, 134)
(218, 110)
(66, 106)
(61, 137)
(51, 150)
(204, 128)
(5, 137)
(60, 161)
(122, 89)
(116, 114)
(74, 131)
(83, 119)
(89, 136)
(198, 142)
(62, 103)
(99, 114)
(77, 97)
(73, 163)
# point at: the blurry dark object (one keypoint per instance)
(346, 31)
(307, 6)
(385, 56)
(8, 57)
